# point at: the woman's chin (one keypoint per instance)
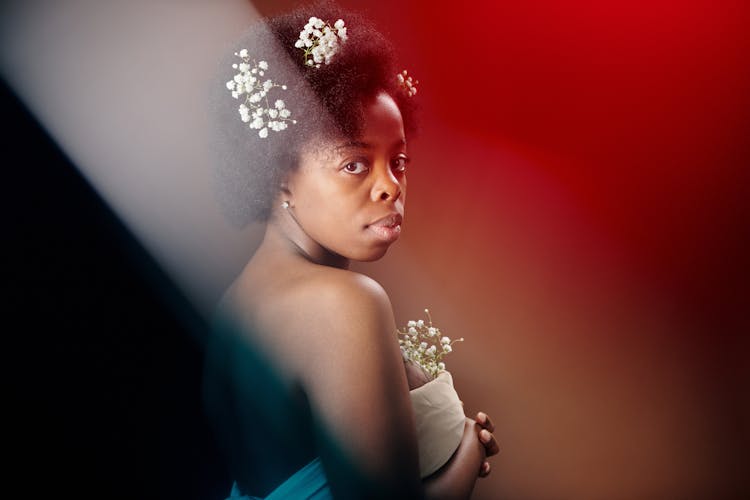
(371, 255)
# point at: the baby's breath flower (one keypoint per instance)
(321, 41)
(419, 342)
(252, 111)
(407, 83)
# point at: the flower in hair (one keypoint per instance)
(256, 109)
(321, 41)
(409, 85)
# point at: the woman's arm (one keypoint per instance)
(352, 371)
(455, 479)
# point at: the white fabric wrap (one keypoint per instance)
(440, 422)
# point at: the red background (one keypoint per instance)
(578, 210)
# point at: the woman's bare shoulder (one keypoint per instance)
(341, 310)
(314, 312)
(337, 289)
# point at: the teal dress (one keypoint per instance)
(309, 482)
(262, 421)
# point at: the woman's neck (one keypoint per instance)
(285, 237)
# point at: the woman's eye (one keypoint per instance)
(399, 164)
(355, 167)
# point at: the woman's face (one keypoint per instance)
(349, 196)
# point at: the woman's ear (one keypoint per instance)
(284, 187)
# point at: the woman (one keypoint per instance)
(304, 377)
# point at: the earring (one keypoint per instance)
(285, 204)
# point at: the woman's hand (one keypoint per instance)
(487, 439)
(456, 478)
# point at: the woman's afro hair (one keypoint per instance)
(327, 101)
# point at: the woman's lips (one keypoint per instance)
(387, 228)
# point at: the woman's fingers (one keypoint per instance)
(484, 421)
(488, 440)
(484, 470)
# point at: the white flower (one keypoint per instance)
(320, 40)
(423, 343)
(251, 111)
(407, 83)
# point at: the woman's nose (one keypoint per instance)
(387, 187)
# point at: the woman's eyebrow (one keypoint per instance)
(367, 145)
